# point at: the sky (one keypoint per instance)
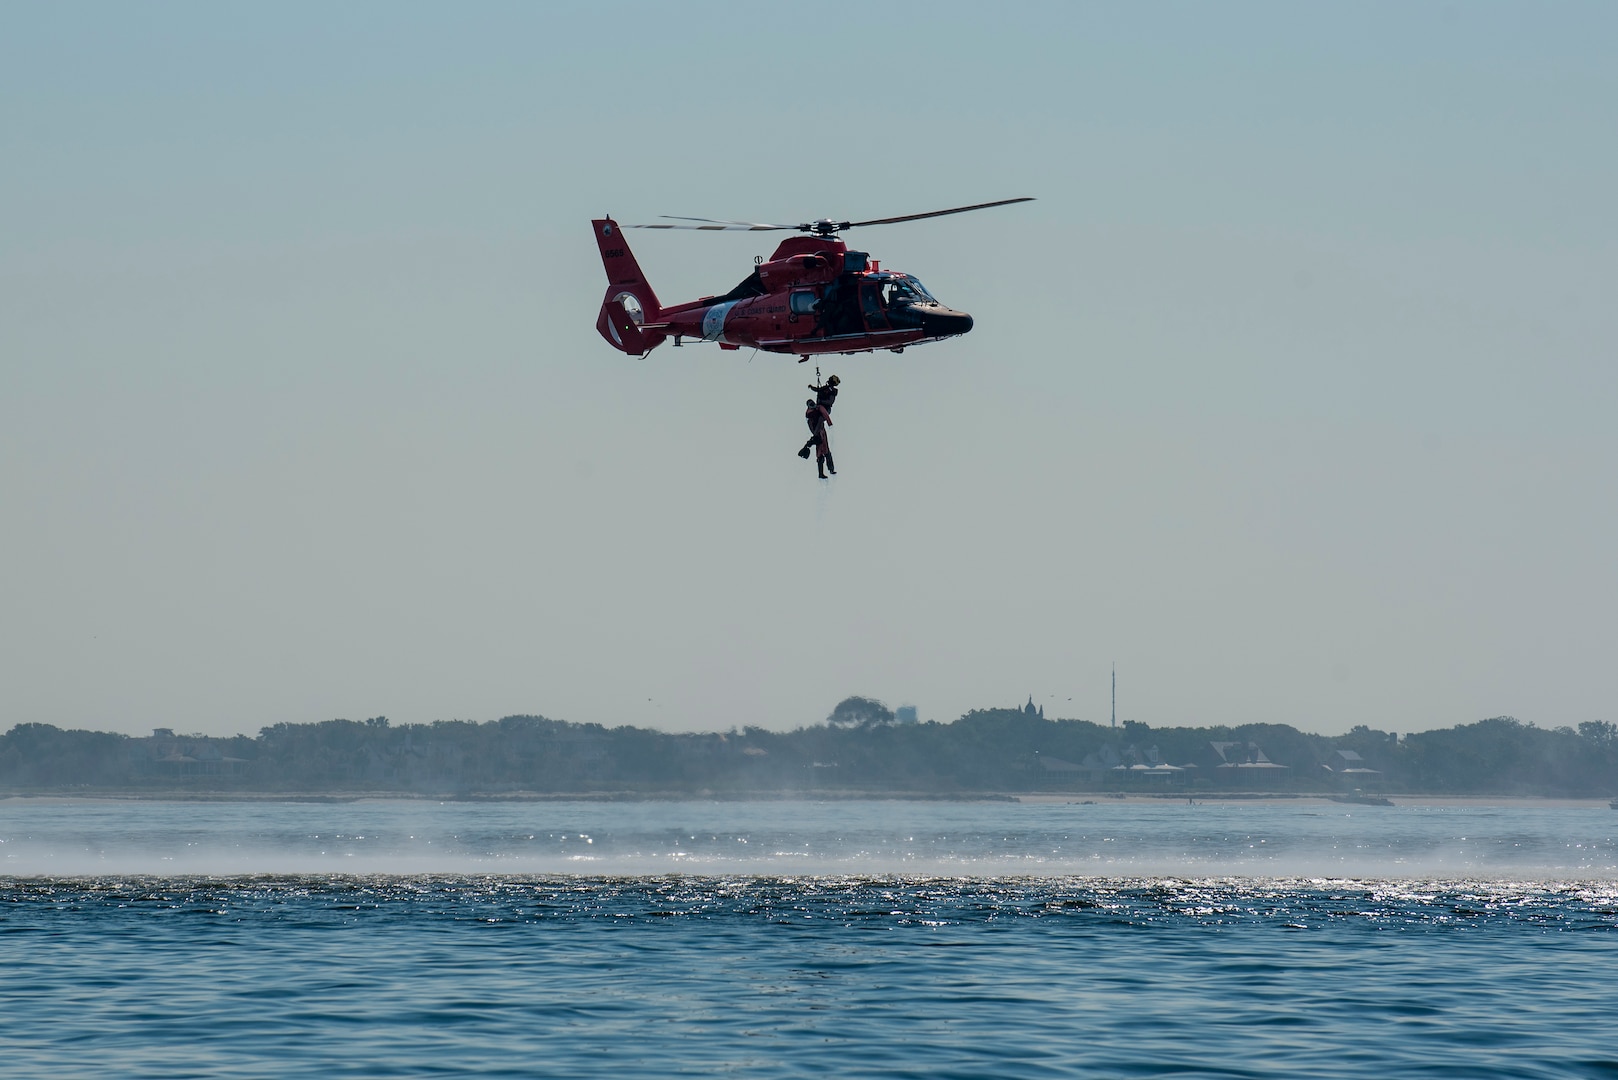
(1291, 396)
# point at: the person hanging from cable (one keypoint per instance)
(825, 397)
(818, 419)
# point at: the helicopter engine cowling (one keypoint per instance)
(780, 274)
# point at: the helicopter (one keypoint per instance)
(813, 296)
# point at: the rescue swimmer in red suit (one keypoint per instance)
(818, 419)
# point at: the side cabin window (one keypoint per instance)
(804, 303)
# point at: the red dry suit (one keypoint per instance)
(817, 418)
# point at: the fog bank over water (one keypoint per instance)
(1105, 838)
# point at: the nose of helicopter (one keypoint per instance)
(942, 322)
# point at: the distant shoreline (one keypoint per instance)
(994, 754)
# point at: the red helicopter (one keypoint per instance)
(812, 296)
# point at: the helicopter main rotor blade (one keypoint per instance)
(822, 228)
(716, 225)
(937, 213)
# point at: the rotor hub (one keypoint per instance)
(824, 227)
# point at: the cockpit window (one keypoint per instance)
(906, 290)
(921, 290)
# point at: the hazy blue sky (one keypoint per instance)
(1293, 394)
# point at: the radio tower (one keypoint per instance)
(1115, 695)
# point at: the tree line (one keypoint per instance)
(862, 748)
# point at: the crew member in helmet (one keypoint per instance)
(826, 395)
(818, 419)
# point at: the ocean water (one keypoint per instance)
(861, 939)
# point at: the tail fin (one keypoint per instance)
(630, 301)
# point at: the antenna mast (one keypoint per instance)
(1115, 695)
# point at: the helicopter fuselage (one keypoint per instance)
(812, 296)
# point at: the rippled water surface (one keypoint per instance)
(779, 939)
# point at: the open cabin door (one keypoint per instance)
(876, 318)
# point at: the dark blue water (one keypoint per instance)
(1002, 941)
